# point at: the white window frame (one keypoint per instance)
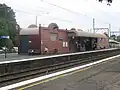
(65, 44)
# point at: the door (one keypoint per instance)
(24, 44)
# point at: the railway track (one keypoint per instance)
(56, 66)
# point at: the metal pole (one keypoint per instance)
(40, 38)
(5, 22)
(119, 31)
(5, 52)
(109, 30)
(36, 20)
(93, 25)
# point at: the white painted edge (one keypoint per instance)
(52, 56)
(54, 74)
(8, 54)
(2, 54)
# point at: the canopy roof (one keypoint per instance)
(87, 34)
(29, 31)
(113, 41)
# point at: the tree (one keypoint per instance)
(8, 23)
(114, 37)
(109, 1)
(73, 29)
(118, 38)
(32, 26)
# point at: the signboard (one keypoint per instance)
(5, 37)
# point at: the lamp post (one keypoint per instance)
(93, 25)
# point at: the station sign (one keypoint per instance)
(4, 37)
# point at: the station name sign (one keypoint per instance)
(4, 37)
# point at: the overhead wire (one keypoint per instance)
(109, 16)
(62, 8)
(73, 12)
(54, 18)
(58, 6)
(35, 9)
(43, 12)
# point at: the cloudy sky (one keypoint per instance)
(79, 15)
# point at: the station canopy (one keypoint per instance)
(29, 31)
(85, 34)
(113, 41)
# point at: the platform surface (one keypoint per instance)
(15, 56)
(103, 76)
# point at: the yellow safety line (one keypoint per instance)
(50, 79)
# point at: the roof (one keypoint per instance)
(32, 26)
(87, 34)
(35, 31)
(29, 31)
(113, 41)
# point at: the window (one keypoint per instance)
(65, 44)
(53, 36)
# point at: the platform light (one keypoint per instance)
(30, 41)
(5, 37)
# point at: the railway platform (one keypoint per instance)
(16, 56)
(27, 73)
(100, 75)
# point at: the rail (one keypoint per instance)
(18, 71)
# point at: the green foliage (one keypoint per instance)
(7, 24)
(113, 37)
(9, 43)
(118, 38)
(3, 32)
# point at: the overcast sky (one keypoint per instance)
(26, 11)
